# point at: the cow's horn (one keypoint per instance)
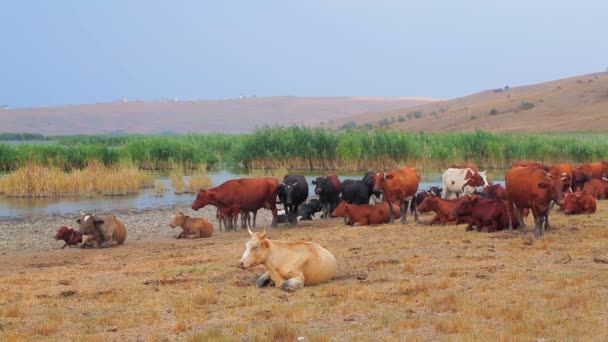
(250, 232)
(82, 212)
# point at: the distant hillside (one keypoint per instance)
(230, 116)
(572, 104)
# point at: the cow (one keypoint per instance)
(598, 170)
(398, 185)
(193, 227)
(292, 192)
(596, 188)
(421, 195)
(307, 211)
(496, 191)
(461, 181)
(443, 209)
(579, 203)
(485, 214)
(579, 179)
(328, 190)
(104, 229)
(358, 191)
(70, 236)
(532, 187)
(365, 214)
(244, 194)
(290, 265)
(226, 218)
(471, 166)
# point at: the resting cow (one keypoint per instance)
(597, 170)
(307, 211)
(579, 203)
(245, 194)
(193, 227)
(398, 186)
(596, 188)
(328, 190)
(290, 265)
(458, 182)
(532, 187)
(70, 236)
(292, 192)
(443, 209)
(104, 229)
(485, 214)
(365, 214)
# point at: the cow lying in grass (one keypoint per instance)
(193, 227)
(103, 229)
(71, 236)
(290, 265)
(365, 214)
(579, 203)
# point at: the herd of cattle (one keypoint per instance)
(379, 197)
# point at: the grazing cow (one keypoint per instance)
(471, 166)
(193, 227)
(103, 229)
(290, 265)
(307, 211)
(579, 203)
(443, 209)
(365, 214)
(596, 188)
(490, 215)
(420, 196)
(292, 192)
(70, 236)
(328, 190)
(245, 194)
(532, 187)
(358, 191)
(398, 186)
(579, 179)
(598, 170)
(461, 181)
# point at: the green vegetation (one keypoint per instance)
(527, 105)
(22, 136)
(310, 148)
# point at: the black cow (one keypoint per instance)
(292, 192)
(434, 190)
(328, 190)
(358, 191)
(307, 211)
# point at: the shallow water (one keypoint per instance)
(16, 207)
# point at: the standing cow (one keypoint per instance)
(532, 187)
(292, 192)
(358, 191)
(458, 182)
(398, 185)
(328, 190)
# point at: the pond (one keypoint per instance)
(14, 207)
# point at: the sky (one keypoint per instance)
(73, 52)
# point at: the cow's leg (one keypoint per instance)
(414, 206)
(275, 220)
(255, 215)
(520, 219)
(547, 227)
(295, 282)
(403, 205)
(391, 213)
(538, 220)
(263, 280)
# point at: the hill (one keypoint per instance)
(229, 116)
(571, 104)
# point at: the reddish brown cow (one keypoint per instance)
(398, 186)
(443, 209)
(245, 194)
(490, 215)
(564, 172)
(596, 188)
(598, 170)
(532, 187)
(579, 179)
(496, 191)
(579, 203)
(471, 166)
(365, 214)
(69, 235)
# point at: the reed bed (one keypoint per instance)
(159, 188)
(278, 172)
(198, 182)
(177, 181)
(36, 180)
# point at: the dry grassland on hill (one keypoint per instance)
(571, 104)
(394, 282)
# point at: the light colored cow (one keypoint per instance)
(458, 182)
(290, 265)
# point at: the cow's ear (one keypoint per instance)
(98, 221)
(543, 185)
(265, 243)
(314, 182)
(388, 177)
(79, 221)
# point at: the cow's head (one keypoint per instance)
(380, 180)
(61, 232)
(203, 197)
(435, 190)
(554, 186)
(428, 204)
(340, 210)
(256, 250)
(179, 219)
(285, 192)
(571, 203)
(321, 184)
(88, 222)
(465, 208)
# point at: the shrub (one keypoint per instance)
(493, 111)
(527, 105)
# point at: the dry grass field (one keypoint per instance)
(394, 282)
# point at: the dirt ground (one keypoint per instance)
(394, 282)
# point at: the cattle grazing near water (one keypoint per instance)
(104, 229)
(328, 190)
(290, 265)
(398, 186)
(193, 227)
(365, 214)
(244, 194)
(532, 187)
(579, 203)
(458, 182)
(292, 192)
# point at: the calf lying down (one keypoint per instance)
(365, 214)
(71, 236)
(193, 227)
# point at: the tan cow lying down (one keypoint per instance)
(193, 227)
(290, 265)
(103, 229)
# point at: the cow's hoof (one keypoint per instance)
(263, 281)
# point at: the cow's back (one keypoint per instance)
(320, 266)
(120, 231)
(404, 183)
(248, 193)
(521, 184)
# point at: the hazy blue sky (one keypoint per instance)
(67, 52)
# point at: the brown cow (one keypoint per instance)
(496, 191)
(564, 172)
(598, 170)
(471, 166)
(103, 229)
(398, 186)
(70, 236)
(443, 209)
(532, 187)
(245, 194)
(579, 203)
(579, 179)
(365, 214)
(484, 213)
(596, 188)
(193, 227)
